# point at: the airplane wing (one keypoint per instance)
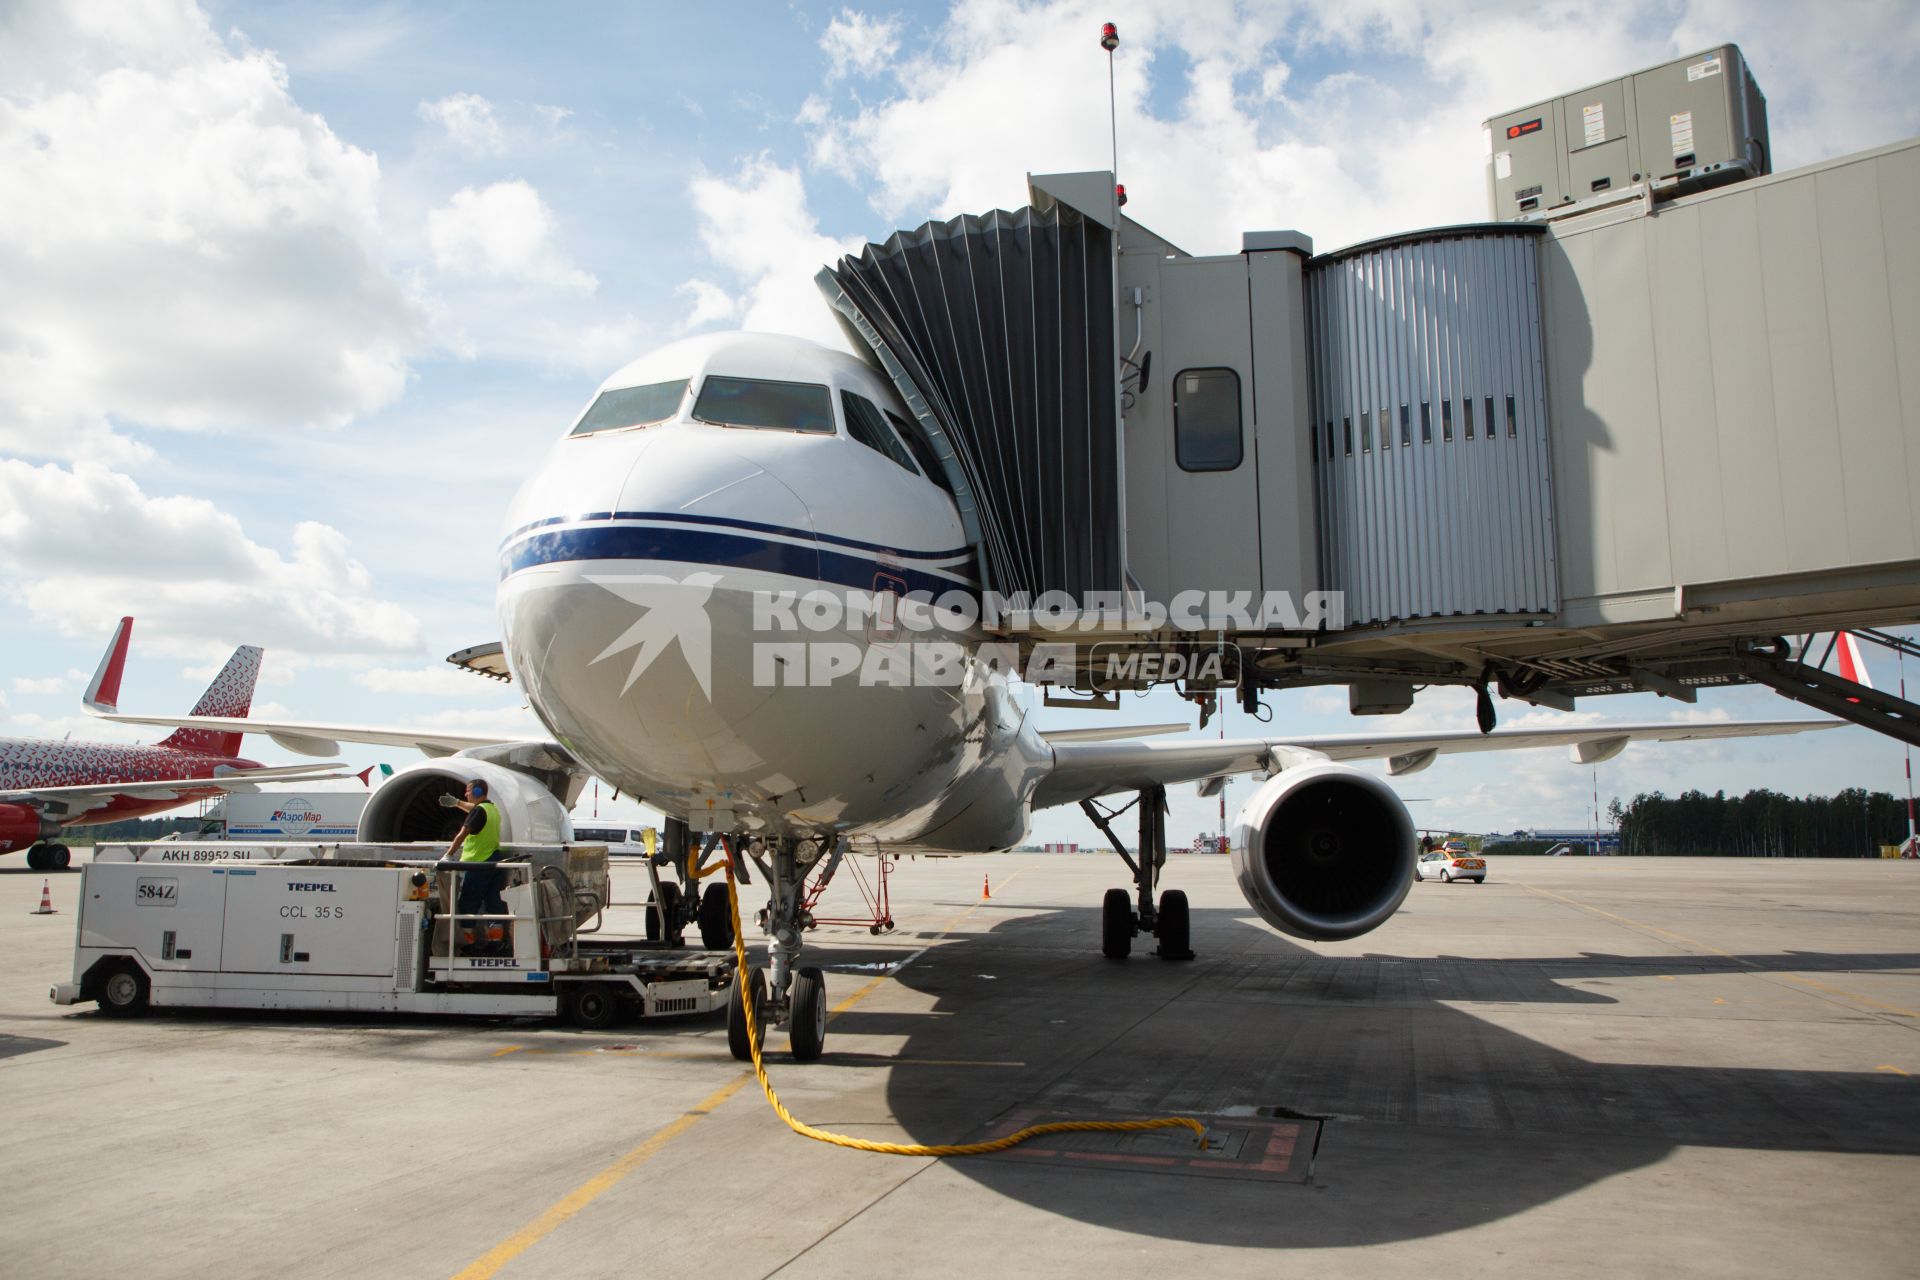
(167, 788)
(310, 739)
(1083, 770)
(1109, 735)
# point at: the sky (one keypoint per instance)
(297, 292)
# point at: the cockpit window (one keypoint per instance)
(759, 402)
(922, 449)
(865, 424)
(632, 407)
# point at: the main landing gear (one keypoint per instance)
(49, 857)
(782, 992)
(672, 908)
(1123, 916)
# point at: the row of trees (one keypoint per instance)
(1761, 824)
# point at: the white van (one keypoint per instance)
(621, 842)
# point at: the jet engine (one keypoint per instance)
(21, 827)
(1324, 852)
(407, 806)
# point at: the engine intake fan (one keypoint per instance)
(1324, 852)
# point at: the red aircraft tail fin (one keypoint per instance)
(104, 692)
(1852, 666)
(230, 694)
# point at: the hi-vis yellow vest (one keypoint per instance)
(481, 845)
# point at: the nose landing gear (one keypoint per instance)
(794, 996)
(672, 907)
(1124, 916)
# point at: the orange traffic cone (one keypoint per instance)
(986, 888)
(46, 901)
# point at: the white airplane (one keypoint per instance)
(657, 575)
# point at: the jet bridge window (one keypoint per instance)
(632, 407)
(1206, 419)
(762, 402)
(865, 424)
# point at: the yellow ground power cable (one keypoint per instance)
(806, 1130)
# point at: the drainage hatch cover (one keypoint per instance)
(1248, 1148)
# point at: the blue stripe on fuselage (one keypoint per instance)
(729, 522)
(718, 550)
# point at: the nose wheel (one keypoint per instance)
(782, 992)
(1125, 915)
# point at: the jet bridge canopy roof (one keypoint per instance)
(998, 330)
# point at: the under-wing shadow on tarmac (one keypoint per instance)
(1419, 1096)
(14, 1046)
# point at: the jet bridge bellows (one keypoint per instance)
(998, 331)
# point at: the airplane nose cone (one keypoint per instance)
(627, 592)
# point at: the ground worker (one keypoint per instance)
(477, 840)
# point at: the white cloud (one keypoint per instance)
(469, 122)
(182, 245)
(710, 303)
(84, 546)
(757, 225)
(517, 722)
(504, 231)
(51, 684)
(857, 44)
(439, 682)
(1345, 121)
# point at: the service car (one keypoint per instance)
(1447, 867)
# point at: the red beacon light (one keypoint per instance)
(1119, 193)
(1109, 37)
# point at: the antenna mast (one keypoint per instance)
(1110, 40)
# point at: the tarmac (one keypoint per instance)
(1592, 1067)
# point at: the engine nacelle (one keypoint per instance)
(21, 827)
(1324, 852)
(407, 807)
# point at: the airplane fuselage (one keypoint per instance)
(735, 618)
(26, 763)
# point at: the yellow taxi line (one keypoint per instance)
(489, 1263)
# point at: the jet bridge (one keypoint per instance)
(1624, 444)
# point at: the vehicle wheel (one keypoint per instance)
(1446, 877)
(737, 1014)
(1116, 925)
(1176, 930)
(592, 1006)
(807, 1023)
(59, 856)
(37, 858)
(716, 919)
(123, 990)
(669, 928)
